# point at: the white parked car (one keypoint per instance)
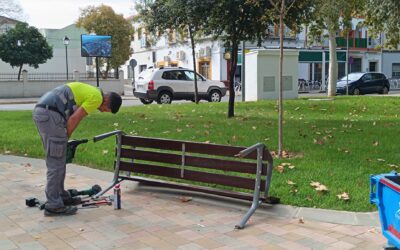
(166, 84)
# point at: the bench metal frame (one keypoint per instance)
(256, 151)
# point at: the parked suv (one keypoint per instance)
(166, 84)
(363, 83)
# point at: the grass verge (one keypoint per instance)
(338, 143)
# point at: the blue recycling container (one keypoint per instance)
(385, 194)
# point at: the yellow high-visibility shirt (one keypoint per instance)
(86, 96)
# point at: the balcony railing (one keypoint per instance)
(359, 42)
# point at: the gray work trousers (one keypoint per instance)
(52, 128)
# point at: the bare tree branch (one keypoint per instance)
(275, 5)
(288, 8)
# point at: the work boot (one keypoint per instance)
(72, 201)
(62, 211)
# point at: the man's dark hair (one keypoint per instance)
(115, 102)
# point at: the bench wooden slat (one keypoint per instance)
(194, 161)
(212, 178)
(193, 147)
(184, 186)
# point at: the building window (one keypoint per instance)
(396, 70)
(372, 66)
(204, 69)
(142, 67)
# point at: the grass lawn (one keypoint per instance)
(338, 143)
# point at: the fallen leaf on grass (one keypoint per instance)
(319, 187)
(318, 141)
(185, 198)
(393, 166)
(343, 196)
(280, 168)
(289, 182)
(285, 154)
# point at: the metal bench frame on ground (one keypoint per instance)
(190, 163)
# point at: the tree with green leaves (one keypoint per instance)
(383, 16)
(178, 16)
(103, 20)
(290, 13)
(24, 45)
(331, 15)
(234, 21)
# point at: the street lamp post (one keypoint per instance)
(347, 64)
(19, 45)
(66, 42)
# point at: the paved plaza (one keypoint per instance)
(155, 219)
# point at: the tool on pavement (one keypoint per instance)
(97, 203)
(33, 202)
(90, 192)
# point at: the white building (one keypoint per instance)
(171, 50)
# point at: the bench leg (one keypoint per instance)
(115, 182)
(247, 216)
(116, 178)
(256, 196)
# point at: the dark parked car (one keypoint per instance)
(363, 83)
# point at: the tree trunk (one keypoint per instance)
(231, 106)
(280, 98)
(332, 64)
(196, 93)
(19, 72)
(116, 73)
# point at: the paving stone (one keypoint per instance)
(152, 219)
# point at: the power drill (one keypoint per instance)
(91, 191)
(33, 202)
(71, 148)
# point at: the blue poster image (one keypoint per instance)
(96, 46)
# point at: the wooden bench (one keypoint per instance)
(202, 167)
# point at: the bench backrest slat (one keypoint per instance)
(192, 147)
(194, 161)
(212, 178)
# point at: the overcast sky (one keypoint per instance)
(57, 14)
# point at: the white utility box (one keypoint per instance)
(262, 74)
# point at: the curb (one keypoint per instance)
(285, 211)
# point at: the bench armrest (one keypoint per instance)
(250, 149)
(105, 135)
